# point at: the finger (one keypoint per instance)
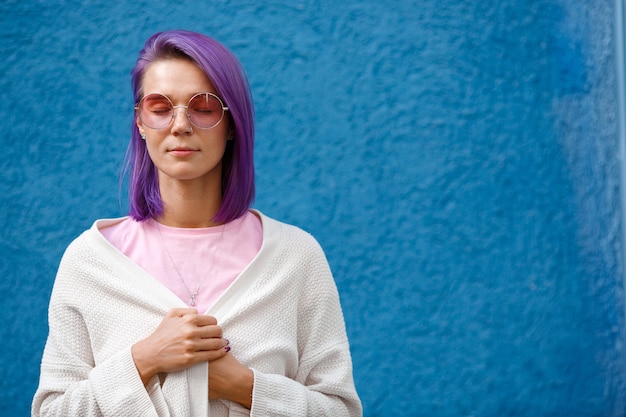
(209, 332)
(202, 320)
(211, 355)
(189, 329)
(213, 344)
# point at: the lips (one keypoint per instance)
(182, 151)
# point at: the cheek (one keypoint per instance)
(152, 147)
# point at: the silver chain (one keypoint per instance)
(194, 294)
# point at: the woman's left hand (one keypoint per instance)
(231, 380)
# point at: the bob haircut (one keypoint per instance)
(229, 79)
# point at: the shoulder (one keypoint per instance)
(296, 250)
(90, 242)
(113, 227)
(288, 234)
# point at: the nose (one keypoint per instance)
(182, 123)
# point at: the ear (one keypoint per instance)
(142, 132)
(140, 126)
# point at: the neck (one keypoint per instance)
(189, 203)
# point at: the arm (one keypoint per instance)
(297, 350)
(70, 383)
(88, 367)
(323, 383)
(323, 387)
(231, 380)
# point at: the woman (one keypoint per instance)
(194, 305)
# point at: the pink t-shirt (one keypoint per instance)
(186, 260)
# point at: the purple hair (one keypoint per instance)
(229, 79)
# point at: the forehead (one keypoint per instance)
(176, 78)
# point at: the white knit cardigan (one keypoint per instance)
(281, 315)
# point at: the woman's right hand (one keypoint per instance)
(183, 339)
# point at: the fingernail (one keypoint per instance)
(227, 348)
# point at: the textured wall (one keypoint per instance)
(456, 159)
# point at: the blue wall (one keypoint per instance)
(458, 161)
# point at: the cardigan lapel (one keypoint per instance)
(148, 285)
(230, 301)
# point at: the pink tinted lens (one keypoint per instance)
(155, 111)
(205, 110)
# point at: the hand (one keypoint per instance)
(183, 339)
(231, 380)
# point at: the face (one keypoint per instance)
(182, 151)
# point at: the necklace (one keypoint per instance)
(193, 294)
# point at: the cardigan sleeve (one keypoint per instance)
(71, 384)
(325, 391)
(323, 383)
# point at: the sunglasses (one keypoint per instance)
(204, 110)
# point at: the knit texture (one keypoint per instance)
(282, 316)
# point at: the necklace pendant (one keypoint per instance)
(193, 300)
